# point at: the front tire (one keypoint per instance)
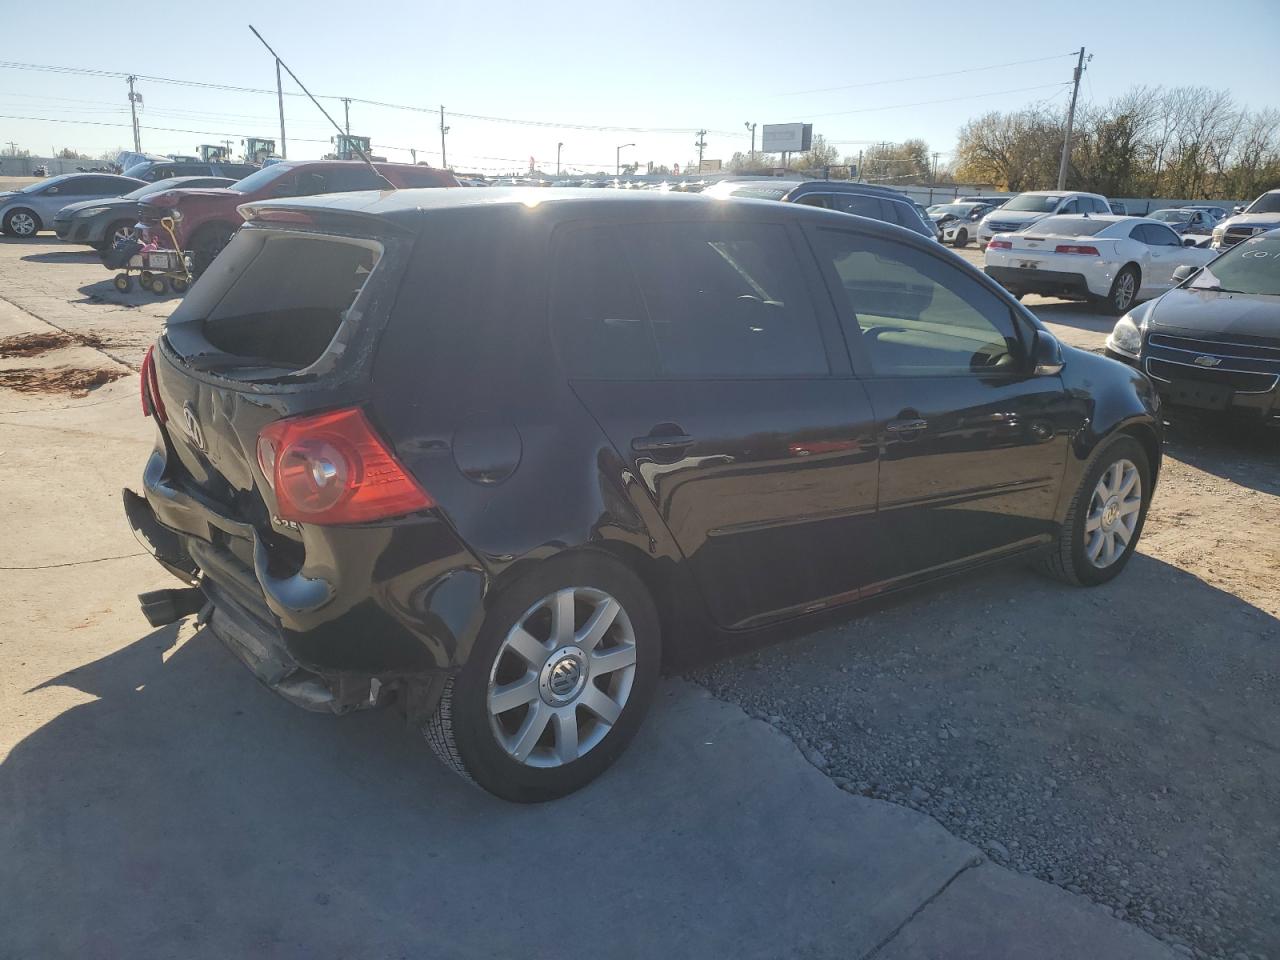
(562, 672)
(961, 239)
(22, 223)
(1105, 519)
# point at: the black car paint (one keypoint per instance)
(1215, 321)
(520, 460)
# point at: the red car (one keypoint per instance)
(204, 219)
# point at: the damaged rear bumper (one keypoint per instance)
(381, 608)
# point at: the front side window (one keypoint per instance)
(912, 314)
(1156, 235)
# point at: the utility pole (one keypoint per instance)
(861, 178)
(752, 127)
(935, 168)
(701, 144)
(284, 150)
(134, 100)
(558, 148)
(444, 157)
(346, 114)
(413, 156)
(1071, 119)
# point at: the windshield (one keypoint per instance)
(1069, 227)
(256, 181)
(1267, 203)
(1033, 203)
(1250, 267)
(1172, 216)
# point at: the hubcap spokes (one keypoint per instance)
(1113, 513)
(562, 677)
(23, 225)
(1124, 293)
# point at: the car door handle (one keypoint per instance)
(905, 426)
(661, 444)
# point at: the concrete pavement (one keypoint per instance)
(155, 801)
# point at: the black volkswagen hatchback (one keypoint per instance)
(507, 456)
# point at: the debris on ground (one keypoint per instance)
(33, 344)
(76, 381)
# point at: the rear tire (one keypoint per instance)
(519, 719)
(1081, 556)
(123, 282)
(1124, 292)
(207, 244)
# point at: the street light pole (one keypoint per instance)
(558, 146)
(444, 156)
(617, 159)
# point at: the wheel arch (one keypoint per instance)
(18, 208)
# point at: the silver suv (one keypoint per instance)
(1033, 206)
(1259, 217)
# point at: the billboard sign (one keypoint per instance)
(787, 137)
(711, 166)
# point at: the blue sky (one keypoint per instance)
(665, 69)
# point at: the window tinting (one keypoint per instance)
(916, 315)
(1068, 227)
(597, 317)
(864, 206)
(1155, 235)
(725, 299)
(342, 179)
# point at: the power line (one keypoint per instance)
(925, 103)
(922, 76)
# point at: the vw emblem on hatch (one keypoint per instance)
(1207, 361)
(191, 424)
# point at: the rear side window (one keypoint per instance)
(353, 178)
(600, 325)
(862, 206)
(683, 301)
(725, 299)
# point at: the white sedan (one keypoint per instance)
(1113, 261)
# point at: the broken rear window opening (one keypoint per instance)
(274, 300)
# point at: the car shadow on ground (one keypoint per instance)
(1242, 451)
(69, 255)
(104, 291)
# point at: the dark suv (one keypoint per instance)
(861, 199)
(506, 456)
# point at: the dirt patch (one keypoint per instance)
(75, 381)
(33, 344)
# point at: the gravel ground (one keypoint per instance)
(1121, 742)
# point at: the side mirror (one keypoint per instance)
(1185, 273)
(1238, 209)
(1046, 355)
(52, 190)
(1190, 242)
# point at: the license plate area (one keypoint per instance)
(1029, 264)
(1204, 396)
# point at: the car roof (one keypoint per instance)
(407, 206)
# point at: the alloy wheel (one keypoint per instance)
(123, 233)
(562, 677)
(22, 224)
(1126, 287)
(1113, 513)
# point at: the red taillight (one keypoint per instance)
(1076, 248)
(1000, 245)
(150, 387)
(332, 468)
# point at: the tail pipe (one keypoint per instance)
(163, 607)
